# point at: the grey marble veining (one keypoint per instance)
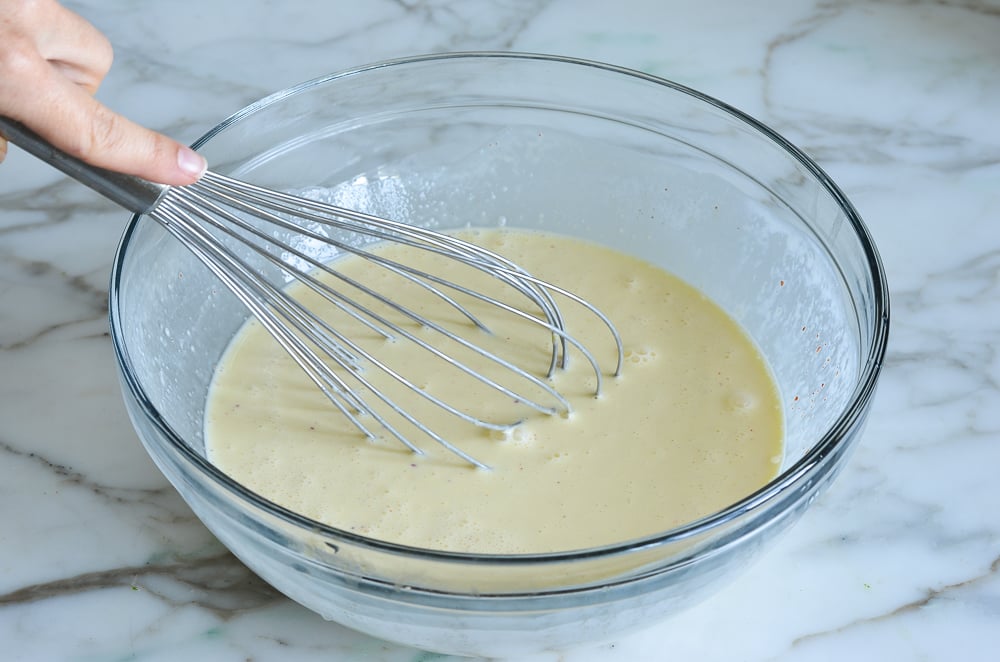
(897, 100)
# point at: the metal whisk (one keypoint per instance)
(206, 215)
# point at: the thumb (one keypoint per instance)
(81, 126)
(111, 141)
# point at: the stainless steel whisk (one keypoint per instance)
(218, 206)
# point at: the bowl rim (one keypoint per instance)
(809, 467)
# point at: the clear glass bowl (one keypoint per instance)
(632, 161)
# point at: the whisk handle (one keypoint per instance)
(133, 193)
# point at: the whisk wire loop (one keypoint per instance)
(229, 205)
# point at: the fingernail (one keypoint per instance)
(191, 162)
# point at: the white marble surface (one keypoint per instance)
(898, 100)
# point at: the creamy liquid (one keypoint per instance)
(691, 425)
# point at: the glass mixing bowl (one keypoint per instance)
(628, 160)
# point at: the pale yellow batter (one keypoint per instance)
(691, 425)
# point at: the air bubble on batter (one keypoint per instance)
(521, 435)
(518, 435)
(739, 400)
(640, 356)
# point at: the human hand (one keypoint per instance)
(51, 63)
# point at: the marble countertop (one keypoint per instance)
(898, 100)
